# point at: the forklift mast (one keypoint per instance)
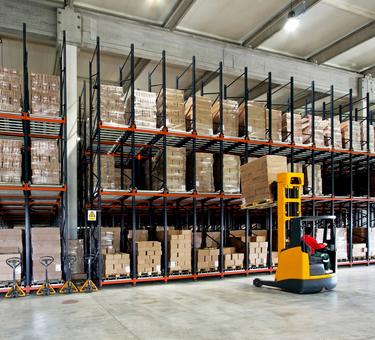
(289, 189)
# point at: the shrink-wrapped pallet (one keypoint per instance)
(370, 143)
(275, 126)
(45, 163)
(356, 135)
(10, 160)
(204, 172)
(112, 105)
(231, 173)
(287, 128)
(230, 117)
(256, 121)
(10, 90)
(203, 120)
(175, 110)
(144, 109)
(307, 129)
(327, 132)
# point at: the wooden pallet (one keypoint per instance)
(359, 258)
(259, 205)
(148, 274)
(117, 276)
(233, 268)
(208, 270)
(179, 272)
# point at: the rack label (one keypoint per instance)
(91, 215)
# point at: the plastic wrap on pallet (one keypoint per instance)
(276, 125)
(204, 172)
(356, 136)
(10, 161)
(337, 139)
(364, 136)
(45, 162)
(230, 117)
(231, 173)
(176, 170)
(175, 110)
(112, 105)
(203, 120)
(317, 179)
(10, 90)
(287, 128)
(144, 109)
(256, 124)
(318, 128)
(45, 94)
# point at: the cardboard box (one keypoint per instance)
(112, 105)
(371, 140)
(276, 125)
(327, 132)
(11, 239)
(117, 264)
(207, 259)
(287, 127)
(356, 137)
(144, 109)
(318, 128)
(175, 110)
(203, 121)
(231, 173)
(230, 117)
(10, 90)
(10, 160)
(256, 124)
(257, 178)
(148, 257)
(318, 183)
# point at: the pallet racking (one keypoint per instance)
(138, 206)
(24, 202)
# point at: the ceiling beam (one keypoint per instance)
(177, 14)
(353, 39)
(260, 90)
(370, 71)
(277, 22)
(207, 77)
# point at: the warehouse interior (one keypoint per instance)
(165, 164)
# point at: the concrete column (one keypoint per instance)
(72, 139)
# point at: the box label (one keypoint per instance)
(58, 267)
(91, 215)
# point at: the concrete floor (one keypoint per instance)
(207, 309)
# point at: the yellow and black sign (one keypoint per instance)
(91, 215)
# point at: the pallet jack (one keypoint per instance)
(15, 290)
(89, 285)
(69, 287)
(297, 270)
(46, 289)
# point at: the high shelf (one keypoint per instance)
(136, 206)
(25, 203)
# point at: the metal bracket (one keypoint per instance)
(71, 22)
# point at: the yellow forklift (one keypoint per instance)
(298, 271)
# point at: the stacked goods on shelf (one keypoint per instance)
(257, 178)
(46, 242)
(256, 120)
(176, 170)
(337, 139)
(117, 264)
(364, 137)
(318, 183)
(360, 236)
(231, 173)
(45, 163)
(356, 137)
(204, 172)
(175, 110)
(179, 249)
(232, 259)
(10, 90)
(212, 239)
(45, 94)
(359, 250)
(287, 128)
(276, 125)
(112, 106)
(207, 259)
(230, 117)
(110, 175)
(111, 240)
(140, 235)
(10, 161)
(10, 246)
(148, 257)
(203, 120)
(78, 268)
(341, 242)
(319, 124)
(144, 109)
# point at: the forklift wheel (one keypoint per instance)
(257, 283)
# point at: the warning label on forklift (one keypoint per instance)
(91, 215)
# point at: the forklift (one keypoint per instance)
(298, 271)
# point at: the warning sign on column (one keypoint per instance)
(91, 215)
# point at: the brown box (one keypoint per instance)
(317, 179)
(11, 238)
(10, 90)
(117, 264)
(112, 105)
(287, 128)
(10, 160)
(356, 137)
(318, 128)
(256, 120)
(144, 108)
(203, 120)
(276, 125)
(111, 239)
(230, 117)
(231, 173)
(327, 129)
(148, 257)
(175, 110)
(258, 176)
(364, 143)
(207, 259)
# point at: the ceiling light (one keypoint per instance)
(292, 22)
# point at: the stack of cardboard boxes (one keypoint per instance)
(110, 176)
(10, 90)
(78, 267)
(176, 170)
(257, 178)
(327, 129)
(204, 172)
(45, 164)
(232, 259)
(112, 105)
(256, 120)
(10, 161)
(370, 143)
(179, 249)
(359, 251)
(318, 183)
(356, 136)
(307, 126)
(117, 264)
(46, 242)
(10, 246)
(276, 125)
(148, 257)
(287, 128)
(230, 117)
(45, 94)
(231, 173)
(144, 109)
(175, 110)
(207, 259)
(203, 115)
